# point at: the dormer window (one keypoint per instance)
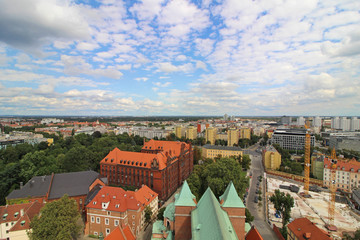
(117, 205)
(149, 147)
(132, 163)
(4, 216)
(145, 164)
(106, 159)
(16, 214)
(22, 223)
(352, 169)
(114, 197)
(94, 203)
(128, 162)
(140, 164)
(112, 160)
(103, 195)
(121, 161)
(343, 168)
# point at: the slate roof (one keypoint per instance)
(36, 187)
(230, 198)
(185, 197)
(208, 146)
(209, 221)
(72, 184)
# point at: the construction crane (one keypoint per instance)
(332, 187)
(307, 159)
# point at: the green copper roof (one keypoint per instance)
(158, 227)
(231, 198)
(247, 227)
(170, 212)
(209, 221)
(185, 198)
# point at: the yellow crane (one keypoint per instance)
(307, 159)
(332, 186)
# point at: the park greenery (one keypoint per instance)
(283, 204)
(81, 152)
(57, 220)
(288, 165)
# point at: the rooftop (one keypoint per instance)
(303, 228)
(121, 234)
(185, 197)
(36, 187)
(208, 146)
(230, 198)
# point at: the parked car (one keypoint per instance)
(256, 199)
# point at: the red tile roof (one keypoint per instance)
(121, 234)
(343, 165)
(135, 159)
(253, 234)
(145, 195)
(172, 147)
(303, 227)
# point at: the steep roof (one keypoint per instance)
(302, 226)
(343, 165)
(115, 199)
(72, 184)
(185, 197)
(230, 198)
(209, 221)
(253, 234)
(169, 212)
(36, 187)
(135, 159)
(121, 234)
(172, 147)
(145, 195)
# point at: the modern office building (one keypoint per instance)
(292, 139)
(210, 135)
(161, 165)
(232, 137)
(345, 142)
(286, 120)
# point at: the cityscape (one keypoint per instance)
(179, 119)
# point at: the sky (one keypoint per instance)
(180, 57)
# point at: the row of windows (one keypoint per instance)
(107, 221)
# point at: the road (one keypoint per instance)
(258, 209)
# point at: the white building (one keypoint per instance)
(317, 122)
(335, 123)
(354, 125)
(300, 121)
(345, 124)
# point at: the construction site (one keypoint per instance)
(315, 208)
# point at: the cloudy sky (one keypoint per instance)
(180, 57)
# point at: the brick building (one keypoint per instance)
(113, 207)
(210, 218)
(161, 165)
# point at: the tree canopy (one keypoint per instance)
(58, 220)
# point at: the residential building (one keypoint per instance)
(212, 151)
(304, 229)
(178, 131)
(356, 198)
(15, 219)
(271, 158)
(317, 165)
(222, 136)
(292, 139)
(112, 207)
(185, 218)
(161, 165)
(121, 234)
(335, 123)
(347, 174)
(232, 137)
(286, 120)
(317, 122)
(345, 124)
(76, 185)
(355, 124)
(191, 132)
(245, 133)
(210, 135)
(300, 121)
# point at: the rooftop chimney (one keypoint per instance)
(22, 212)
(21, 185)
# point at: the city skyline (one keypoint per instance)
(179, 58)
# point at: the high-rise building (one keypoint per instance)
(232, 137)
(354, 124)
(286, 120)
(300, 121)
(226, 117)
(178, 131)
(191, 132)
(210, 135)
(317, 122)
(271, 158)
(345, 124)
(245, 133)
(292, 139)
(335, 123)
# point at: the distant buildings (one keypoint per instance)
(161, 165)
(212, 151)
(271, 158)
(15, 220)
(286, 120)
(317, 165)
(76, 185)
(245, 133)
(345, 124)
(349, 142)
(191, 132)
(113, 207)
(210, 135)
(16, 138)
(304, 229)
(292, 139)
(178, 131)
(232, 137)
(209, 218)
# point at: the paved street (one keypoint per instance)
(256, 209)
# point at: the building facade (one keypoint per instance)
(191, 132)
(271, 158)
(210, 135)
(161, 165)
(178, 131)
(212, 151)
(317, 165)
(292, 139)
(112, 207)
(245, 133)
(233, 137)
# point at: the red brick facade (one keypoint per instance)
(161, 165)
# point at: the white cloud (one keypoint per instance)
(168, 67)
(144, 79)
(160, 84)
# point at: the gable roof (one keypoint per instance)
(301, 226)
(210, 221)
(172, 147)
(230, 198)
(185, 197)
(72, 184)
(145, 195)
(121, 234)
(36, 187)
(253, 234)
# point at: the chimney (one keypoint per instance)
(21, 185)
(22, 212)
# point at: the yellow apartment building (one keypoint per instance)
(178, 131)
(212, 151)
(245, 133)
(191, 132)
(210, 135)
(232, 137)
(271, 158)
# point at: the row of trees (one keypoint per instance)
(75, 153)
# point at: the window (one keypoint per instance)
(97, 220)
(133, 223)
(133, 216)
(22, 223)
(96, 233)
(7, 224)
(107, 231)
(106, 221)
(116, 223)
(80, 201)
(92, 219)
(108, 213)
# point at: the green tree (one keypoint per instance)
(283, 203)
(249, 217)
(78, 158)
(160, 215)
(58, 220)
(197, 154)
(245, 162)
(148, 214)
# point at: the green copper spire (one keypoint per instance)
(185, 198)
(230, 197)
